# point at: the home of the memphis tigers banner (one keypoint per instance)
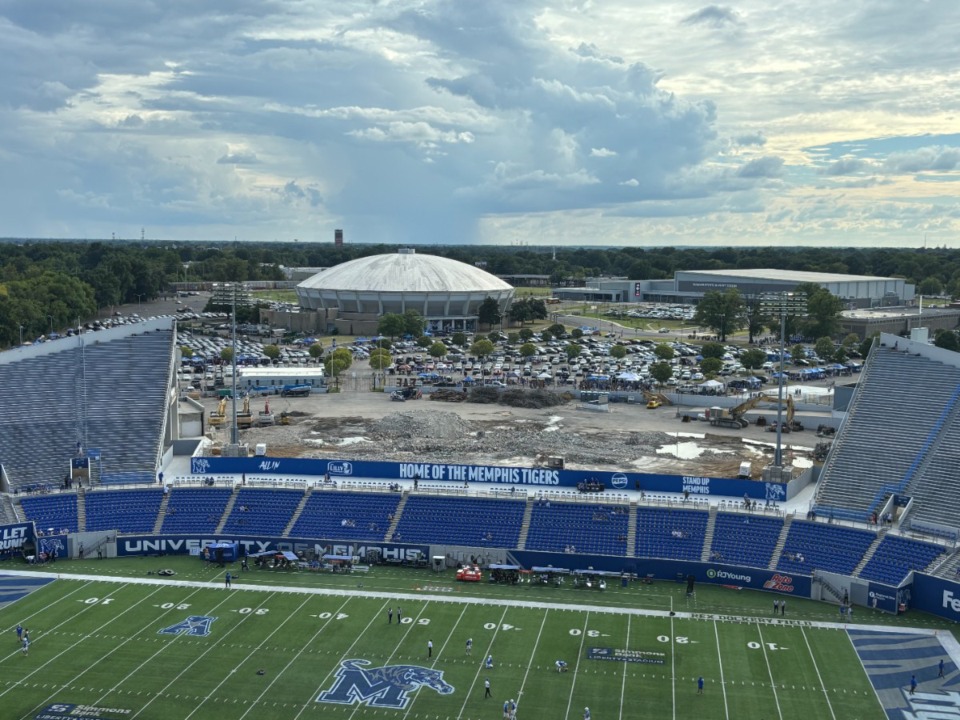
(382, 687)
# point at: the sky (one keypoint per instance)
(514, 122)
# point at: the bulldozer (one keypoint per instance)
(219, 416)
(655, 400)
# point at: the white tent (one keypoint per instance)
(711, 385)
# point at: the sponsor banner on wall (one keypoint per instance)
(544, 478)
(936, 596)
(883, 597)
(187, 544)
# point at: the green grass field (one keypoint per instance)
(99, 643)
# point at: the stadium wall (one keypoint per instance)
(537, 478)
(936, 596)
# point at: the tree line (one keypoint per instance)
(46, 284)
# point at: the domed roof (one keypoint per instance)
(405, 272)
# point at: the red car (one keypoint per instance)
(469, 574)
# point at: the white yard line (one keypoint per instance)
(623, 684)
(576, 668)
(723, 684)
(876, 693)
(112, 651)
(436, 656)
(249, 655)
(773, 685)
(192, 663)
(536, 644)
(476, 677)
(45, 608)
(673, 666)
(296, 657)
(826, 694)
(65, 651)
(332, 670)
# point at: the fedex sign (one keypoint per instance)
(950, 601)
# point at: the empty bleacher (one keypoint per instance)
(896, 556)
(106, 394)
(901, 404)
(831, 548)
(670, 533)
(127, 511)
(51, 513)
(194, 509)
(346, 516)
(742, 539)
(474, 522)
(935, 502)
(262, 511)
(589, 528)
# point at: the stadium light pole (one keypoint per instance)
(21, 334)
(782, 304)
(232, 294)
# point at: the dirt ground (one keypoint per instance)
(362, 425)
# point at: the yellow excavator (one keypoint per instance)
(245, 417)
(655, 400)
(219, 416)
(733, 417)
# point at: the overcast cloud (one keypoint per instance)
(506, 121)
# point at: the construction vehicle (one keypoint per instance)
(284, 418)
(660, 398)
(245, 417)
(265, 416)
(733, 417)
(219, 416)
(296, 390)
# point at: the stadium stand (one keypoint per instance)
(669, 533)
(823, 547)
(896, 556)
(127, 511)
(588, 528)
(346, 516)
(262, 511)
(902, 396)
(51, 513)
(742, 539)
(197, 510)
(97, 392)
(476, 522)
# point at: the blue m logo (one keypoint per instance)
(385, 687)
(195, 625)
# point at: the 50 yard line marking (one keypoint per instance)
(583, 639)
(623, 683)
(436, 657)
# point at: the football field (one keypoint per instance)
(178, 649)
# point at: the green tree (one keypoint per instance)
(661, 372)
(545, 336)
(413, 323)
(437, 350)
(424, 341)
(525, 334)
(930, 286)
(572, 350)
(494, 337)
(839, 355)
(576, 333)
(227, 354)
(798, 351)
(527, 309)
(459, 339)
(711, 366)
(557, 330)
(513, 338)
(664, 351)
(186, 352)
(824, 348)
(753, 359)
(482, 348)
(618, 352)
(528, 350)
(271, 351)
(380, 360)
(337, 362)
(316, 351)
(712, 350)
(382, 343)
(721, 311)
(946, 339)
(489, 312)
(756, 317)
(867, 344)
(392, 325)
(823, 311)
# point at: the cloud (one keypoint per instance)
(750, 139)
(714, 16)
(238, 159)
(844, 166)
(762, 167)
(602, 152)
(923, 159)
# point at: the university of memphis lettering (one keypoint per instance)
(479, 473)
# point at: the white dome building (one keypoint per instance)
(448, 293)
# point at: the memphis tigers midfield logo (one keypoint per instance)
(385, 687)
(194, 626)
